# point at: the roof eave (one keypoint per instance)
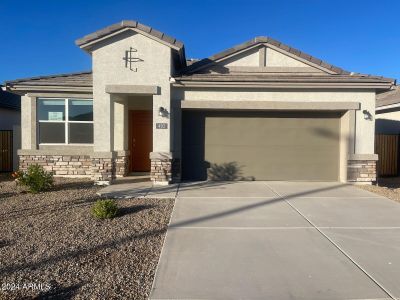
(283, 84)
(24, 89)
(387, 106)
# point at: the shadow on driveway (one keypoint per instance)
(114, 243)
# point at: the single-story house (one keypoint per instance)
(260, 110)
(10, 121)
(388, 112)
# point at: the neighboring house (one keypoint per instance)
(10, 120)
(387, 129)
(261, 110)
(388, 112)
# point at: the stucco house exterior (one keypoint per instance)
(388, 112)
(261, 110)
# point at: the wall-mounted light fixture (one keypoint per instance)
(163, 112)
(367, 115)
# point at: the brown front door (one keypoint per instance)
(140, 139)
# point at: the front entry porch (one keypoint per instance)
(137, 144)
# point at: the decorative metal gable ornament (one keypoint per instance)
(131, 58)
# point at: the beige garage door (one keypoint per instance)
(260, 145)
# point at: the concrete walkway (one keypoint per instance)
(142, 189)
(280, 240)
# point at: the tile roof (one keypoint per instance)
(263, 40)
(292, 78)
(129, 24)
(389, 97)
(79, 79)
(195, 71)
(192, 72)
(84, 79)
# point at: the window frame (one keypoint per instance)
(65, 122)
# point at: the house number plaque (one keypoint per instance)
(162, 125)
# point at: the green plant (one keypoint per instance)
(35, 178)
(105, 209)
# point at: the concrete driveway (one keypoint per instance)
(280, 240)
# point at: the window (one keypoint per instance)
(65, 121)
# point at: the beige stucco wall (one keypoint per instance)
(26, 122)
(248, 58)
(274, 58)
(364, 129)
(120, 124)
(109, 68)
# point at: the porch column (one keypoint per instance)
(28, 122)
(161, 157)
(103, 116)
(103, 162)
(361, 163)
(121, 137)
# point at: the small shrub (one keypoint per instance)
(36, 179)
(105, 209)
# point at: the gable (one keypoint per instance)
(263, 55)
(253, 58)
(113, 32)
(128, 58)
(262, 59)
(248, 58)
(274, 58)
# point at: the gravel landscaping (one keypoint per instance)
(52, 247)
(388, 187)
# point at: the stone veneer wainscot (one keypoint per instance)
(362, 170)
(98, 169)
(161, 167)
(60, 165)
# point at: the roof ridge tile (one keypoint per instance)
(129, 24)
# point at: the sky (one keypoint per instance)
(37, 37)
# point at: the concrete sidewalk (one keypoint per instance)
(280, 240)
(125, 190)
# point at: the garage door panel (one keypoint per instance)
(261, 131)
(263, 146)
(274, 153)
(276, 164)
